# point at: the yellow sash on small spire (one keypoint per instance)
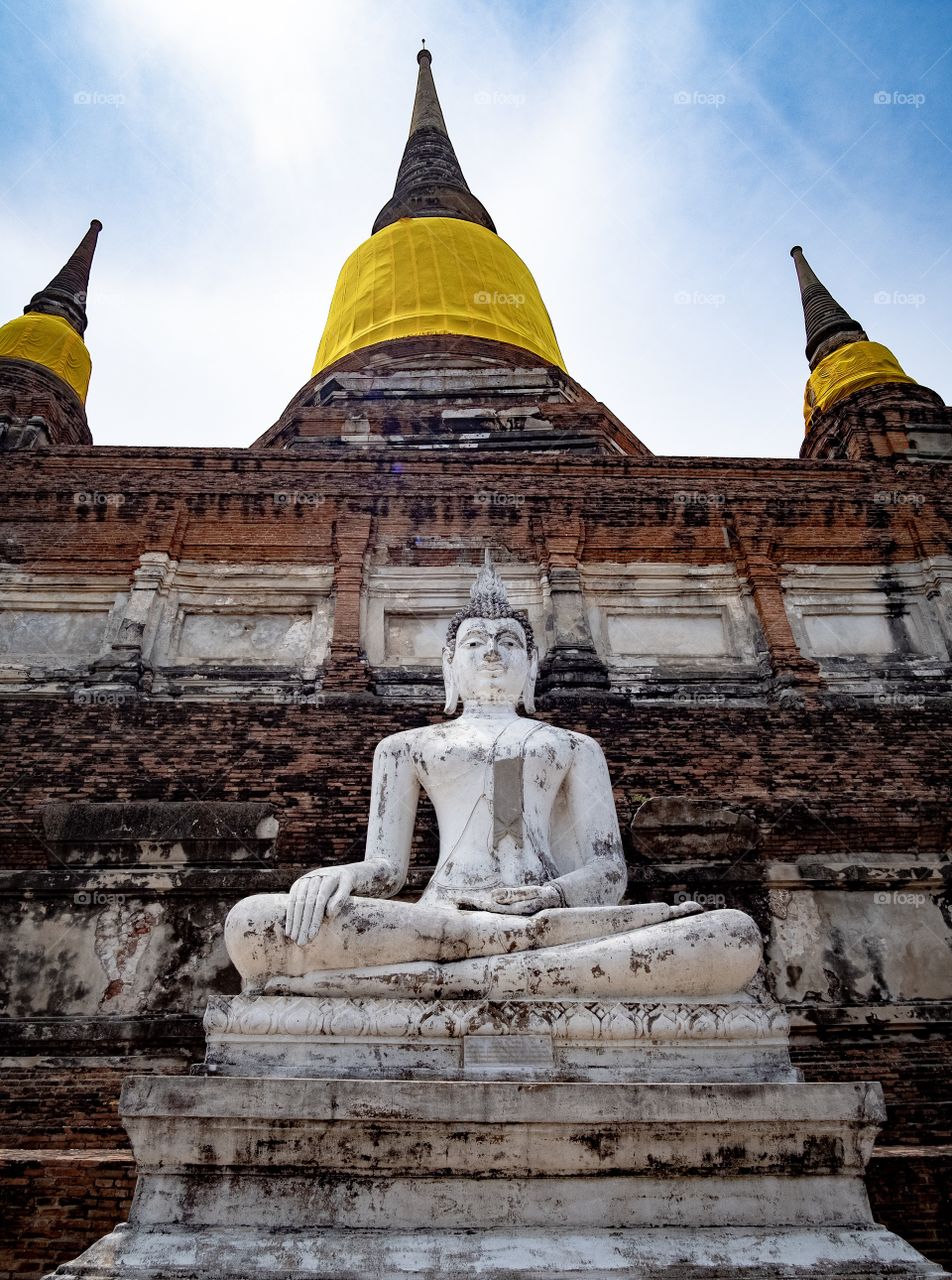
(52, 342)
(848, 369)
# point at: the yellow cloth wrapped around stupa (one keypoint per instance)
(848, 369)
(435, 275)
(51, 342)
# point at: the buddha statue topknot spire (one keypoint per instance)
(489, 599)
(488, 592)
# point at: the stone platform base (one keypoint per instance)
(281, 1178)
(711, 1253)
(732, 1039)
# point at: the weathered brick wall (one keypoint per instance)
(914, 1073)
(66, 1170)
(911, 1192)
(59, 1104)
(832, 512)
(847, 783)
(874, 770)
(49, 1105)
(57, 1205)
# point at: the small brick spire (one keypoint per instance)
(823, 316)
(65, 295)
(430, 182)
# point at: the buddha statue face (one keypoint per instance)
(490, 657)
(490, 664)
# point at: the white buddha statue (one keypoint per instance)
(524, 899)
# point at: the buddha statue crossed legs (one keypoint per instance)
(524, 899)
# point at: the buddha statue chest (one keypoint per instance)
(493, 788)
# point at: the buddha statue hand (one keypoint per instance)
(316, 894)
(515, 900)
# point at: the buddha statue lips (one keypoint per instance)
(525, 896)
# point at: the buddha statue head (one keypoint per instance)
(490, 656)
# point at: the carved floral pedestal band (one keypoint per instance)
(281, 1178)
(735, 1039)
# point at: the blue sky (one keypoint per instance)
(652, 163)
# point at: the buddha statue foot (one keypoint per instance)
(697, 956)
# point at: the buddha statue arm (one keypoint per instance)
(394, 793)
(590, 805)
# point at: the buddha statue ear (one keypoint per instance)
(449, 684)
(528, 689)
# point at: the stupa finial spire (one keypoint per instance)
(430, 182)
(824, 318)
(65, 295)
